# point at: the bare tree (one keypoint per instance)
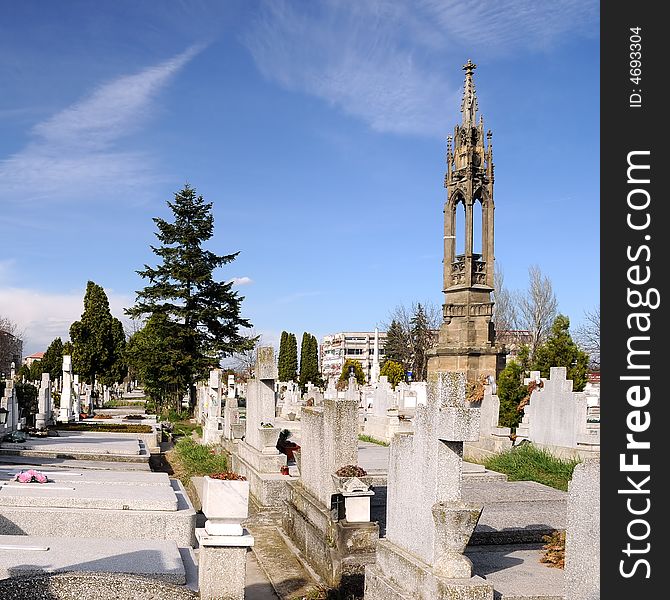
(587, 336)
(505, 302)
(537, 308)
(245, 362)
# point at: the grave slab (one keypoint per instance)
(25, 555)
(115, 496)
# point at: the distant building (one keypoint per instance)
(29, 360)
(337, 348)
(513, 340)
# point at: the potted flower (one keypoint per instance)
(347, 472)
(225, 503)
(353, 484)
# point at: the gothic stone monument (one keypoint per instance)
(467, 335)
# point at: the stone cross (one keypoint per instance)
(261, 403)
(425, 512)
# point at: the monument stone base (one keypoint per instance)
(337, 550)
(397, 575)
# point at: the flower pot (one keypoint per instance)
(226, 505)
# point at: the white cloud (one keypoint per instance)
(75, 152)
(44, 316)
(241, 280)
(385, 62)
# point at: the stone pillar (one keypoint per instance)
(582, 539)
(43, 415)
(76, 397)
(374, 372)
(65, 412)
(222, 558)
(212, 431)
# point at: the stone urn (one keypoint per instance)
(454, 523)
(268, 437)
(225, 503)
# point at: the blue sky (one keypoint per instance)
(318, 131)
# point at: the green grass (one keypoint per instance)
(368, 438)
(529, 463)
(121, 402)
(186, 428)
(190, 459)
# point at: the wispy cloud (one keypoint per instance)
(43, 316)
(76, 152)
(383, 62)
(241, 281)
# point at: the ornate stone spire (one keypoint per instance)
(469, 104)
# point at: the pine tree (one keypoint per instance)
(182, 288)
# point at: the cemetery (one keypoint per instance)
(376, 491)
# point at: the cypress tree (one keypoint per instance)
(281, 358)
(292, 357)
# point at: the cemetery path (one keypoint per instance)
(279, 562)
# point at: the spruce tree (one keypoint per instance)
(182, 288)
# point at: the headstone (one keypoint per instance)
(213, 429)
(582, 540)
(43, 415)
(260, 432)
(428, 524)
(76, 397)
(65, 412)
(231, 386)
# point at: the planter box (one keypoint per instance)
(226, 505)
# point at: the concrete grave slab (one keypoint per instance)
(116, 496)
(24, 555)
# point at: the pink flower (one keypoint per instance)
(31, 476)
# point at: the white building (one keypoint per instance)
(336, 348)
